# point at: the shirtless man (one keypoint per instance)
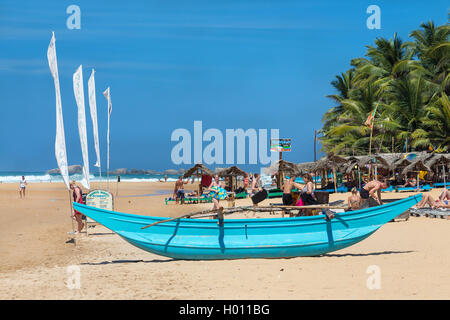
(287, 187)
(178, 192)
(373, 187)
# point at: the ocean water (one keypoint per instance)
(33, 177)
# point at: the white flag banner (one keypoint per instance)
(107, 95)
(60, 140)
(93, 109)
(79, 97)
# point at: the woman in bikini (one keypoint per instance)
(307, 194)
(442, 202)
(354, 201)
(77, 197)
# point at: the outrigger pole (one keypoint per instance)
(206, 213)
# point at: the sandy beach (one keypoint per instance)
(36, 251)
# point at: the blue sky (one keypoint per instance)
(231, 64)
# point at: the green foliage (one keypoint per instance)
(409, 82)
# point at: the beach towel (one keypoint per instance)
(221, 195)
(299, 202)
(206, 180)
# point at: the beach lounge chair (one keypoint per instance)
(426, 187)
(189, 200)
(274, 193)
(442, 213)
(441, 185)
(241, 195)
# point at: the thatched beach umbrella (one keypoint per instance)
(232, 172)
(288, 168)
(305, 167)
(416, 166)
(330, 162)
(352, 161)
(198, 170)
(439, 162)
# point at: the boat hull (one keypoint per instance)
(203, 239)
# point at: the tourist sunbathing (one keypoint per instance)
(354, 201)
(372, 187)
(442, 202)
(178, 192)
(193, 194)
(410, 183)
(78, 198)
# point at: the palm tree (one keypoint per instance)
(407, 110)
(385, 62)
(343, 84)
(432, 48)
(409, 82)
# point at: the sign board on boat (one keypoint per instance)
(280, 145)
(100, 199)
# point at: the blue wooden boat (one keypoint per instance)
(200, 239)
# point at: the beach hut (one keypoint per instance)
(199, 170)
(439, 163)
(415, 167)
(282, 167)
(305, 167)
(330, 162)
(232, 173)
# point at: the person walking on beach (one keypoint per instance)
(255, 187)
(22, 187)
(246, 181)
(78, 198)
(178, 192)
(372, 187)
(165, 178)
(217, 194)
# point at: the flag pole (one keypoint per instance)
(71, 211)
